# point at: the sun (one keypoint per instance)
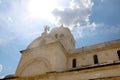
(41, 8)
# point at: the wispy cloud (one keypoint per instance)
(108, 29)
(3, 41)
(91, 30)
(1, 68)
(79, 32)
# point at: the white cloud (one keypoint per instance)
(80, 31)
(89, 26)
(76, 14)
(77, 32)
(1, 68)
(76, 17)
(18, 22)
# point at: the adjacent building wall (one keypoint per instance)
(87, 57)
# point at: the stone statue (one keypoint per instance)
(46, 28)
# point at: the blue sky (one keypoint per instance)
(21, 21)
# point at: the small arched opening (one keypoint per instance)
(95, 57)
(74, 63)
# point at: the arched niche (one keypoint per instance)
(35, 66)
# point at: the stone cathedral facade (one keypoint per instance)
(53, 56)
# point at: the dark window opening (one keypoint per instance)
(95, 59)
(62, 35)
(56, 36)
(118, 52)
(74, 63)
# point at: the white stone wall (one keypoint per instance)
(105, 56)
(41, 60)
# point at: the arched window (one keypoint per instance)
(56, 36)
(118, 52)
(95, 57)
(74, 63)
(61, 35)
